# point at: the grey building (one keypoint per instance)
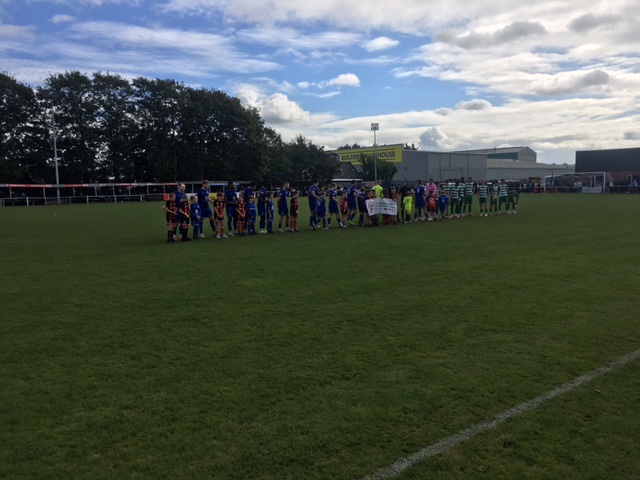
(416, 164)
(519, 163)
(621, 163)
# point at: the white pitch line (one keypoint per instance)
(449, 442)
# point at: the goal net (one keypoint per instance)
(584, 182)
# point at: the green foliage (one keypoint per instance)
(148, 130)
(24, 143)
(386, 169)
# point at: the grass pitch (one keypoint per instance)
(318, 355)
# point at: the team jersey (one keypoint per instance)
(502, 190)
(420, 189)
(454, 193)
(262, 198)
(344, 205)
(241, 210)
(203, 197)
(313, 200)
(322, 207)
(231, 198)
(282, 198)
(483, 191)
(333, 201)
(448, 188)
(183, 212)
(218, 208)
(251, 212)
(294, 206)
(195, 213)
(171, 210)
(408, 204)
(179, 196)
(362, 199)
(352, 194)
(468, 189)
(269, 209)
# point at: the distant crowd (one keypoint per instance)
(254, 210)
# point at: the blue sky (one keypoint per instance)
(444, 75)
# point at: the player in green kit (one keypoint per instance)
(454, 199)
(493, 198)
(503, 197)
(468, 196)
(483, 195)
(513, 197)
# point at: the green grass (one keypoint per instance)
(320, 354)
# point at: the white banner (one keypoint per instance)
(382, 206)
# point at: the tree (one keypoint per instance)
(309, 162)
(23, 135)
(112, 98)
(154, 149)
(68, 98)
(367, 164)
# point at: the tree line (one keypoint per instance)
(109, 129)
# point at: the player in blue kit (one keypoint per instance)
(352, 201)
(270, 213)
(249, 192)
(196, 217)
(231, 200)
(283, 208)
(262, 207)
(313, 204)
(362, 206)
(180, 193)
(321, 211)
(420, 202)
(334, 206)
(442, 202)
(205, 208)
(251, 216)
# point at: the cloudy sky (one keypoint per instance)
(444, 75)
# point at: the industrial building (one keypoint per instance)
(622, 164)
(519, 163)
(511, 163)
(415, 164)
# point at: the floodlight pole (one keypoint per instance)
(375, 127)
(55, 150)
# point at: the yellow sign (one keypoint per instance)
(390, 153)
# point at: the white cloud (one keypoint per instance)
(203, 51)
(15, 32)
(510, 33)
(433, 139)
(380, 43)
(344, 80)
(589, 21)
(474, 104)
(62, 19)
(570, 83)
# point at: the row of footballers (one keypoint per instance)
(191, 210)
(454, 199)
(450, 199)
